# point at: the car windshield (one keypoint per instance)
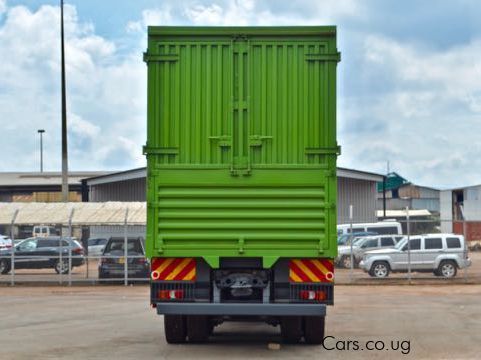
(401, 243)
(118, 244)
(358, 241)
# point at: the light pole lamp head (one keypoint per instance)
(40, 131)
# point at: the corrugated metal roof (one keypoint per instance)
(106, 213)
(44, 178)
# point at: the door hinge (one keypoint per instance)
(147, 150)
(324, 57)
(324, 151)
(222, 140)
(257, 140)
(160, 57)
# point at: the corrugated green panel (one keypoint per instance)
(241, 142)
(190, 101)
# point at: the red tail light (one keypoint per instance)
(312, 295)
(78, 251)
(171, 294)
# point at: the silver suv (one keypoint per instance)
(362, 244)
(441, 254)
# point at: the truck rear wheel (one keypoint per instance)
(314, 329)
(175, 329)
(198, 328)
(291, 329)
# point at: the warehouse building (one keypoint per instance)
(461, 211)
(400, 193)
(354, 187)
(42, 186)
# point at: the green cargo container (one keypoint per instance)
(241, 146)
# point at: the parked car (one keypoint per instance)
(442, 254)
(381, 228)
(362, 244)
(96, 246)
(344, 239)
(5, 242)
(112, 262)
(42, 253)
(44, 231)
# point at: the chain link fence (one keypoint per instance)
(70, 253)
(66, 254)
(422, 249)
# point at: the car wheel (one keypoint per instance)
(4, 266)
(175, 329)
(379, 269)
(61, 267)
(314, 328)
(291, 329)
(436, 272)
(447, 269)
(198, 328)
(346, 261)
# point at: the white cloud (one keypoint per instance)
(83, 128)
(160, 16)
(3, 6)
(246, 12)
(430, 93)
(250, 12)
(105, 97)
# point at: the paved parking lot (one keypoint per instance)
(112, 322)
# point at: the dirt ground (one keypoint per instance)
(114, 322)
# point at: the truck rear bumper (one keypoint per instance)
(233, 309)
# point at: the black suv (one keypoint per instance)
(42, 253)
(112, 262)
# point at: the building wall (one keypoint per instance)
(430, 204)
(472, 203)
(129, 190)
(446, 211)
(116, 231)
(418, 192)
(361, 194)
(415, 204)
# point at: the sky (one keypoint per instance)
(409, 83)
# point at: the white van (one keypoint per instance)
(44, 231)
(381, 228)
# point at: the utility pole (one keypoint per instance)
(41, 131)
(64, 113)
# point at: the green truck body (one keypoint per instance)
(241, 143)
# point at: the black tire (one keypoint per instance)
(447, 269)
(291, 329)
(198, 328)
(380, 269)
(346, 261)
(175, 329)
(314, 329)
(61, 268)
(436, 272)
(4, 266)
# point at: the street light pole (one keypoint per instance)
(41, 131)
(64, 113)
